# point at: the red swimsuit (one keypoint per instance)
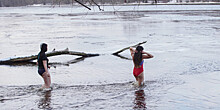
(138, 71)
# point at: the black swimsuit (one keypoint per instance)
(41, 56)
(41, 71)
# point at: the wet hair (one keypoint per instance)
(138, 55)
(43, 47)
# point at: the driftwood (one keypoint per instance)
(28, 60)
(123, 57)
(54, 53)
(116, 53)
(52, 64)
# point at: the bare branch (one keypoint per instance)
(29, 59)
(54, 53)
(83, 4)
(97, 5)
(116, 53)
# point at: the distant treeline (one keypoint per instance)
(12, 3)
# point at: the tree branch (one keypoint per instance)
(97, 5)
(28, 59)
(123, 57)
(82, 4)
(116, 53)
(54, 53)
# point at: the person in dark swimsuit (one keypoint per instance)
(43, 66)
(138, 56)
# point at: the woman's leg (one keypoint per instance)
(136, 78)
(140, 78)
(49, 79)
(46, 81)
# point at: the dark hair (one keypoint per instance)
(43, 47)
(138, 55)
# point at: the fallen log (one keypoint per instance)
(123, 57)
(54, 53)
(52, 64)
(116, 53)
(29, 59)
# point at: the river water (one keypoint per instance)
(183, 75)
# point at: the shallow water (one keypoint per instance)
(184, 74)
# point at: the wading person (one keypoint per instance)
(138, 56)
(43, 66)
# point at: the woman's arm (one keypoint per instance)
(45, 65)
(132, 51)
(146, 55)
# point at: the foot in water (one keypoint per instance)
(44, 88)
(137, 85)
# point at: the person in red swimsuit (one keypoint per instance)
(138, 56)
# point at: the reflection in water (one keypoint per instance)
(45, 100)
(139, 102)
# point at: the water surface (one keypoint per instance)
(183, 75)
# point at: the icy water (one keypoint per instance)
(183, 75)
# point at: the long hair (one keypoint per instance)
(138, 55)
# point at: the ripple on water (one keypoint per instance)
(108, 96)
(202, 67)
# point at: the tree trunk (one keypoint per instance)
(54, 53)
(29, 59)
